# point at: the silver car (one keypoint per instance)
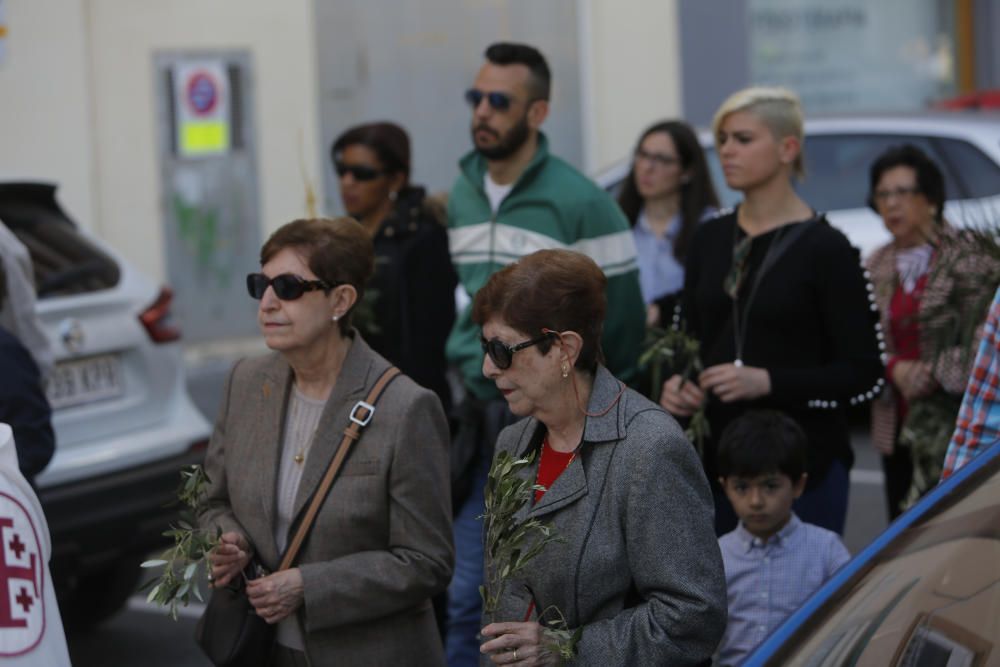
(123, 420)
(839, 151)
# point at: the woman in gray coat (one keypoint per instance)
(637, 569)
(380, 547)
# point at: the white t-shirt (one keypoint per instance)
(495, 192)
(31, 630)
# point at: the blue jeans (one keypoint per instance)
(465, 606)
(826, 504)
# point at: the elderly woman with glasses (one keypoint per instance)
(636, 570)
(925, 271)
(380, 547)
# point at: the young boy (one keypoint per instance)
(773, 560)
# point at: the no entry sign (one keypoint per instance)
(201, 95)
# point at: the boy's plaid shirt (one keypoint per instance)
(978, 423)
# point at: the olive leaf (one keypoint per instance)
(968, 263)
(178, 582)
(512, 544)
(672, 351)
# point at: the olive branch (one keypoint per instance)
(177, 584)
(675, 351)
(955, 322)
(512, 544)
(968, 263)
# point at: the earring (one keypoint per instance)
(565, 370)
(393, 195)
(335, 318)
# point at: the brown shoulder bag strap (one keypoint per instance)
(361, 414)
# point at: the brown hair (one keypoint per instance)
(697, 192)
(389, 141)
(560, 290)
(339, 251)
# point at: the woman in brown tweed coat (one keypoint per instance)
(924, 279)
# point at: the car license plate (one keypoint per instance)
(85, 381)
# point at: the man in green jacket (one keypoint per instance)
(512, 198)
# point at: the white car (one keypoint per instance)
(839, 151)
(123, 420)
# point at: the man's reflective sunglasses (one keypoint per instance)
(360, 172)
(498, 101)
(287, 286)
(502, 355)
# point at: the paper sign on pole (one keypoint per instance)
(201, 100)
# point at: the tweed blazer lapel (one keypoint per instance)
(276, 383)
(572, 484)
(354, 378)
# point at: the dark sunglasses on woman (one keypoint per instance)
(498, 101)
(502, 355)
(360, 172)
(287, 286)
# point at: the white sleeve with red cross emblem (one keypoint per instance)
(31, 631)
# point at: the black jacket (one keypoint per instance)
(24, 407)
(810, 324)
(414, 292)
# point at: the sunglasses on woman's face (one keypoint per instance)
(360, 172)
(498, 101)
(502, 355)
(287, 286)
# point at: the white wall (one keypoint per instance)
(77, 98)
(124, 34)
(44, 101)
(630, 56)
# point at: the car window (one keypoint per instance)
(837, 167)
(932, 597)
(65, 261)
(979, 175)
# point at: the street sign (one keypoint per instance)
(201, 98)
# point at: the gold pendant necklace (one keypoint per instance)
(301, 455)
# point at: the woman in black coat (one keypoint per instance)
(414, 284)
(781, 306)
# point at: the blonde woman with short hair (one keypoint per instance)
(779, 301)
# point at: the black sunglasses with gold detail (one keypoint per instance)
(502, 355)
(287, 286)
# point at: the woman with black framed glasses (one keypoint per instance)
(636, 569)
(381, 545)
(413, 289)
(666, 194)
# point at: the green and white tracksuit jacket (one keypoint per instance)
(551, 205)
